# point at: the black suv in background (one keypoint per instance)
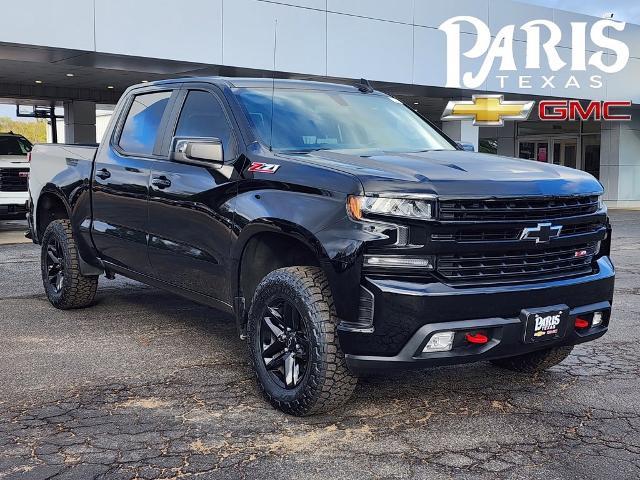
(346, 233)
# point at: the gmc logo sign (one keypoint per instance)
(560, 110)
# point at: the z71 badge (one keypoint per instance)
(263, 167)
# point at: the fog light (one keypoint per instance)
(440, 342)
(597, 319)
(398, 261)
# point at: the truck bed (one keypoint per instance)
(59, 164)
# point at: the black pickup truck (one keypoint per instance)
(345, 233)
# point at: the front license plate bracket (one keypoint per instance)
(545, 324)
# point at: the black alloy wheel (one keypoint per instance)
(65, 285)
(285, 347)
(54, 264)
(292, 328)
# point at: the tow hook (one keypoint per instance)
(476, 338)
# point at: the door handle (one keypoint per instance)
(161, 182)
(103, 174)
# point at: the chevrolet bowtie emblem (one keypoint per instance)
(543, 233)
(487, 110)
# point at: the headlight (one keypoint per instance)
(421, 209)
(601, 204)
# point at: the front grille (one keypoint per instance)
(517, 265)
(517, 209)
(484, 234)
(14, 179)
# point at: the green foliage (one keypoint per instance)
(489, 145)
(34, 131)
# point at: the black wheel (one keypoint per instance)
(535, 362)
(294, 345)
(63, 283)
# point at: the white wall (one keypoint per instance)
(383, 40)
(60, 23)
(620, 163)
(187, 30)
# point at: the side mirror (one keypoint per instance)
(199, 151)
(467, 147)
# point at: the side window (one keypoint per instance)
(25, 145)
(203, 116)
(140, 129)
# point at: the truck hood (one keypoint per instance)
(456, 173)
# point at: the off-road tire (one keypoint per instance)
(77, 290)
(327, 383)
(535, 362)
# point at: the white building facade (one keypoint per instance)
(398, 45)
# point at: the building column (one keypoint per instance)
(507, 139)
(462, 131)
(80, 122)
(620, 163)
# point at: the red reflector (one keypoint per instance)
(582, 323)
(477, 338)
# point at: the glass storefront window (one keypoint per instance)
(591, 127)
(527, 150)
(571, 144)
(488, 145)
(591, 154)
(537, 127)
(542, 153)
(565, 152)
(538, 151)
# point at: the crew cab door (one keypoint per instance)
(120, 187)
(189, 216)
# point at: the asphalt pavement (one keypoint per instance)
(148, 385)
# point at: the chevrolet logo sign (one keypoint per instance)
(487, 110)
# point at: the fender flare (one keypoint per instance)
(280, 226)
(269, 225)
(85, 268)
(53, 190)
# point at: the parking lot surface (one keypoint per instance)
(148, 385)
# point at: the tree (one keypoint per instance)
(34, 131)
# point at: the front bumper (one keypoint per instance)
(407, 313)
(13, 198)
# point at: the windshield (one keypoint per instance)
(307, 120)
(14, 146)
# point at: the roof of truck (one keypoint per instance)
(238, 82)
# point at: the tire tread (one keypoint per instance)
(330, 384)
(78, 290)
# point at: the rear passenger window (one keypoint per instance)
(143, 120)
(203, 116)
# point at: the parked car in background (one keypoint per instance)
(14, 175)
